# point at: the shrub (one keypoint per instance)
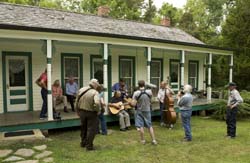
(220, 106)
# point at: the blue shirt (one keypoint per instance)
(71, 89)
(116, 87)
(185, 102)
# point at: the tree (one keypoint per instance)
(168, 10)
(236, 34)
(129, 9)
(150, 11)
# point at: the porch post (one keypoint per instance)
(231, 63)
(204, 73)
(182, 62)
(209, 89)
(105, 72)
(149, 52)
(49, 96)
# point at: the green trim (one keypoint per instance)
(18, 101)
(77, 55)
(30, 83)
(209, 66)
(197, 78)
(49, 60)
(49, 92)
(174, 86)
(181, 64)
(209, 85)
(134, 68)
(231, 66)
(17, 92)
(170, 69)
(149, 63)
(161, 61)
(105, 62)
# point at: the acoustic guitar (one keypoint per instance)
(120, 106)
(116, 108)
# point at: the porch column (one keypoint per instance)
(182, 62)
(105, 72)
(49, 96)
(204, 74)
(149, 52)
(231, 63)
(209, 89)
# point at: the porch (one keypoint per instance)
(30, 120)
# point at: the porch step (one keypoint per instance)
(22, 135)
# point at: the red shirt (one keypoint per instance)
(56, 91)
(44, 78)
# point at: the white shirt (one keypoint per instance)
(161, 94)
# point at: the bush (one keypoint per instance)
(220, 106)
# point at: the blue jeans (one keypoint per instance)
(103, 124)
(162, 107)
(231, 121)
(186, 117)
(44, 93)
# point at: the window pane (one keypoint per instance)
(98, 70)
(174, 71)
(155, 69)
(126, 68)
(126, 72)
(16, 72)
(71, 67)
(193, 69)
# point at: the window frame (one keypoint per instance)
(197, 72)
(160, 60)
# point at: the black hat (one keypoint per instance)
(231, 84)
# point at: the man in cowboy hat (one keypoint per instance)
(234, 99)
(87, 105)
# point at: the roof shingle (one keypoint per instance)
(30, 16)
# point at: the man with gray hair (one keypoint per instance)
(87, 105)
(185, 101)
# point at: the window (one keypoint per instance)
(127, 72)
(71, 67)
(193, 74)
(156, 74)
(97, 68)
(174, 74)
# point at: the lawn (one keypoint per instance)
(208, 146)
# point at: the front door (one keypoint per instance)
(17, 83)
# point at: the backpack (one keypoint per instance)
(142, 93)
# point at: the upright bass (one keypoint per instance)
(170, 112)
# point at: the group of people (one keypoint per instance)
(57, 94)
(90, 106)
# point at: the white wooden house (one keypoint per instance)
(80, 45)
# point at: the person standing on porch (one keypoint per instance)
(71, 91)
(164, 89)
(58, 96)
(88, 107)
(234, 99)
(142, 101)
(42, 82)
(185, 102)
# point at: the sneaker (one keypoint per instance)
(127, 128)
(123, 129)
(163, 124)
(143, 142)
(154, 142)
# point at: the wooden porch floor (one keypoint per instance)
(30, 120)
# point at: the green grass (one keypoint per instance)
(208, 146)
